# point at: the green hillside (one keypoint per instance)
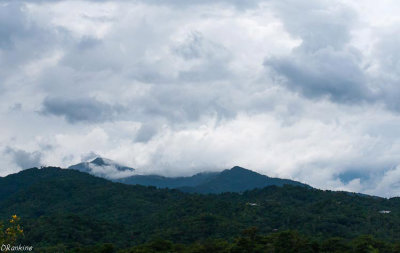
(238, 179)
(72, 209)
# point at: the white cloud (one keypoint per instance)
(110, 171)
(299, 89)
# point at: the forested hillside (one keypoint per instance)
(68, 209)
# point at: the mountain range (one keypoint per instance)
(64, 208)
(236, 179)
(104, 168)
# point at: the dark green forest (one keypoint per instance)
(70, 211)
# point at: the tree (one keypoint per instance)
(11, 232)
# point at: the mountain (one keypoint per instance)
(16, 182)
(104, 168)
(236, 179)
(68, 208)
(168, 182)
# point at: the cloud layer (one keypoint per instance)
(306, 90)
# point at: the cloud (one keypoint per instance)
(388, 184)
(324, 65)
(319, 24)
(21, 38)
(24, 159)
(89, 156)
(80, 109)
(324, 73)
(15, 25)
(145, 133)
(110, 171)
(342, 55)
(306, 90)
(181, 3)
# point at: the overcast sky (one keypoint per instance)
(301, 89)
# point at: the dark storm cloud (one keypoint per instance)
(325, 73)
(23, 158)
(75, 110)
(323, 65)
(319, 24)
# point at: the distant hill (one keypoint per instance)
(236, 179)
(104, 168)
(68, 207)
(14, 183)
(169, 182)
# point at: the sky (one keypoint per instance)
(301, 89)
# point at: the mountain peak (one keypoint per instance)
(105, 168)
(238, 168)
(238, 179)
(99, 161)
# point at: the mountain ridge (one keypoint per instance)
(105, 168)
(67, 206)
(236, 179)
(239, 179)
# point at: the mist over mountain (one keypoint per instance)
(236, 179)
(234, 126)
(303, 89)
(104, 168)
